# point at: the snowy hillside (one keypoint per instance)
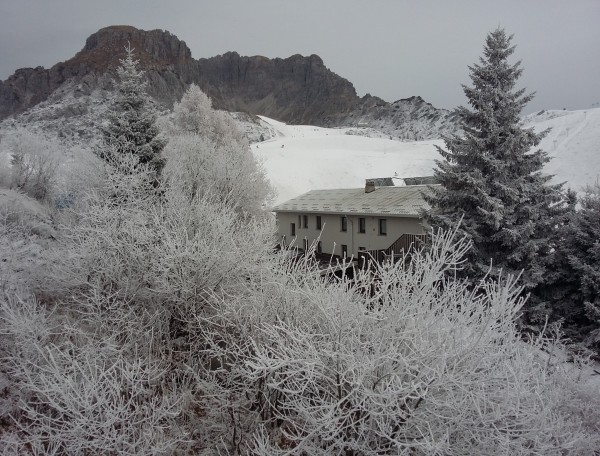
(573, 143)
(300, 158)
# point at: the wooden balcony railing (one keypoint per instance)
(404, 244)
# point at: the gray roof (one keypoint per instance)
(405, 201)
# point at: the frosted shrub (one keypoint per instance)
(208, 152)
(34, 163)
(84, 392)
(154, 244)
(194, 113)
(228, 171)
(402, 361)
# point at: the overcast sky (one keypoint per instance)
(390, 48)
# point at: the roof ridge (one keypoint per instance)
(403, 201)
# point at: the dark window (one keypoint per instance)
(361, 225)
(319, 248)
(383, 226)
(305, 245)
(305, 221)
(344, 250)
(318, 222)
(344, 223)
(293, 229)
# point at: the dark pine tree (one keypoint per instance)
(131, 125)
(577, 267)
(492, 178)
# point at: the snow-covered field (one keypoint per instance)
(300, 158)
(573, 143)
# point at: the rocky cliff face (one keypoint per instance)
(161, 54)
(297, 89)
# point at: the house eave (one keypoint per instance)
(347, 213)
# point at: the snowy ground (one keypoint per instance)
(300, 158)
(573, 143)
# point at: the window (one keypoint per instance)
(361, 225)
(293, 229)
(344, 223)
(344, 251)
(319, 222)
(305, 221)
(319, 248)
(383, 227)
(305, 245)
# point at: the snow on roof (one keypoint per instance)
(393, 201)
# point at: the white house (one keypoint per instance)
(351, 222)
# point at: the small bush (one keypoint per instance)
(34, 163)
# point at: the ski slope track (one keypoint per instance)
(299, 158)
(573, 143)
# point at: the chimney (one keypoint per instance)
(369, 186)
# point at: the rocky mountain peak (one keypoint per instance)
(297, 89)
(106, 47)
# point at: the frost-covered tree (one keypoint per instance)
(576, 297)
(34, 163)
(194, 112)
(208, 153)
(492, 178)
(103, 364)
(181, 331)
(131, 127)
(403, 360)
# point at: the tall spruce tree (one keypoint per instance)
(492, 178)
(131, 125)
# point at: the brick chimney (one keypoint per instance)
(369, 186)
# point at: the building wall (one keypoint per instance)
(332, 237)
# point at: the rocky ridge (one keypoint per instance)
(296, 90)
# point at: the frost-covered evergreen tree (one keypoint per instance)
(578, 271)
(131, 125)
(492, 179)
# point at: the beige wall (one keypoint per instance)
(332, 234)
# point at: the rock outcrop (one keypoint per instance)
(297, 89)
(161, 55)
(410, 118)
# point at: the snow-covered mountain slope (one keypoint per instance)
(300, 158)
(573, 143)
(68, 113)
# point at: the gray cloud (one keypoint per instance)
(389, 48)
